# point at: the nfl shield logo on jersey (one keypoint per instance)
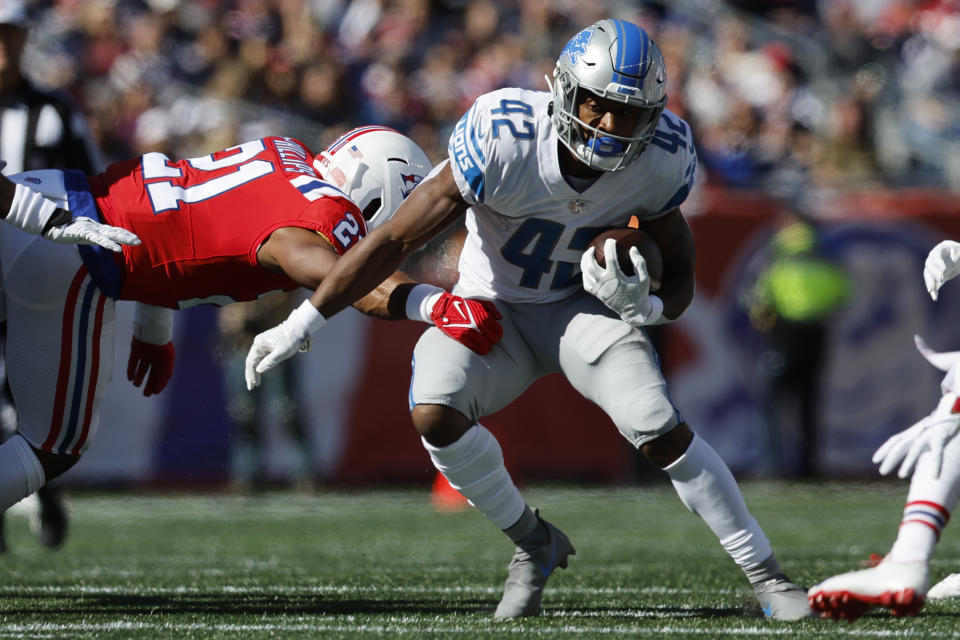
(576, 206)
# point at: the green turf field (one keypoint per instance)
(385, 564)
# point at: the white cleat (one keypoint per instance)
(898, 586)
(527, 574)
(780, 599)
(946, 589)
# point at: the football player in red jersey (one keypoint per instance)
(928, 452)
(262, 216)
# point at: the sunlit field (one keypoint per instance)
(374, 564)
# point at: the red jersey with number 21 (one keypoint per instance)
(202, 220)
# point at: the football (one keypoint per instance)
(627, 237)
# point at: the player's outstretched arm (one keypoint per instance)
(432, 206)
(30, 211)
(471, 322)
(942, 264)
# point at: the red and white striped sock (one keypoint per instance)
(929, 503)
(919, 532)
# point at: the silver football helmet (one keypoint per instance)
(616, 60)
(377, 167)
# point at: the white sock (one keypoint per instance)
(929, 503)
(707, 488)
(20, 472)
(473, 465)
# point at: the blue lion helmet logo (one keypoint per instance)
(577, 46)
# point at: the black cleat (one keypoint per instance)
(49, 522)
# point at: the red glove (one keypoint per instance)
(472, 323)
(155, 358)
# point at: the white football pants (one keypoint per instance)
(60, 338)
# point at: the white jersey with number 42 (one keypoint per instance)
(527, 227)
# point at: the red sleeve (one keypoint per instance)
(338, 220)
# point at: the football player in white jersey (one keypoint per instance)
(538, 175)
(929, 454)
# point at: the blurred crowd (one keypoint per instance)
(781, 94)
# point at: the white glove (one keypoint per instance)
(942, 264)
(930, 434)
(35, 213)
(273, 346)
(933, 432)
(628, 296)
(82, 230)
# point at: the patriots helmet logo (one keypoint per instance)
(408, 182)
(577, 46)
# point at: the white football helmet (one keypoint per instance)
(377, 167)
(617, 60)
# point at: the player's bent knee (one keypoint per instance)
(665, 449)
(55, 464)
(438, 424)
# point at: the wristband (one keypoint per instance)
(421, 300)
(656, 311)
(306, 320)
(30, 210)
(59, 218)
(153, 325)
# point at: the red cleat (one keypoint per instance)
(899, 587)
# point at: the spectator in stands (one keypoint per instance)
(846, 157)
(732, 150)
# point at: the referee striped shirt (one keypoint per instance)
(42, 129)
